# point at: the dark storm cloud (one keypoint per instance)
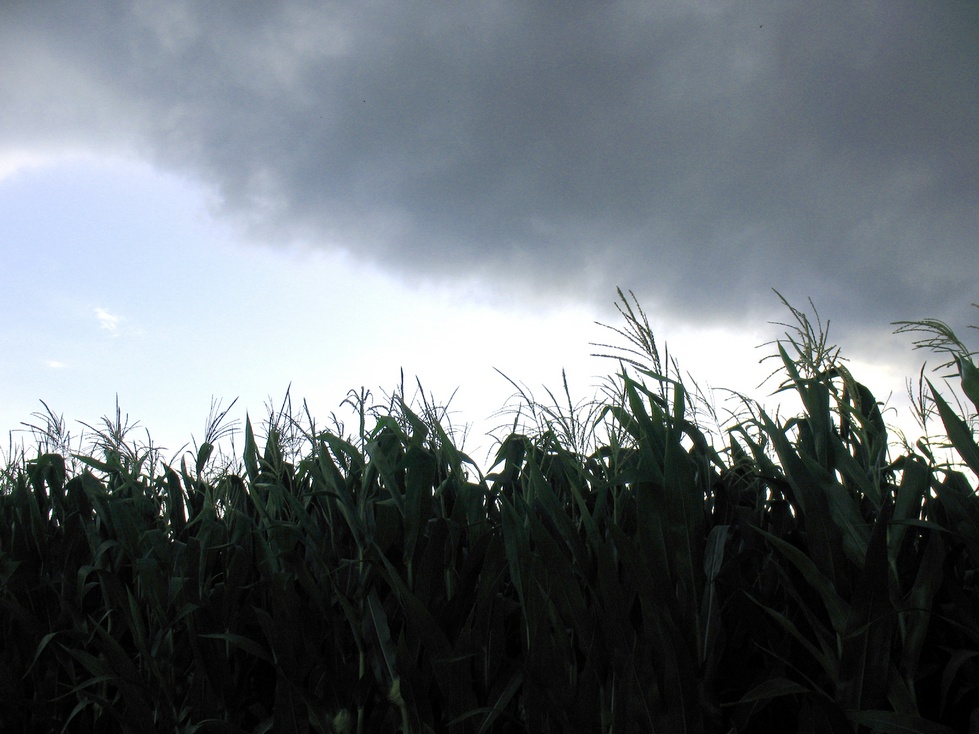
(700, 153)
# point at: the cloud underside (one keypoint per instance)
(699, 152)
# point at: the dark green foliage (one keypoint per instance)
(625, 573)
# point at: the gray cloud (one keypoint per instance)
(698, 153)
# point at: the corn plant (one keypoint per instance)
(622, 567)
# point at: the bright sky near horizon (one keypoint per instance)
(220, 200)
(199, 314)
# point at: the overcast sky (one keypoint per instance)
(189, 181)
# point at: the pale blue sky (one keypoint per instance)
(121, 282)
(126, 283)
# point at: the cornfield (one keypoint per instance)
(620, 568)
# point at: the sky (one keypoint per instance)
(218, 200)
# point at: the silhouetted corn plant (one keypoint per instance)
(622, 568)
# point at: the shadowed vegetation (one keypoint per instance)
(635, 563)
